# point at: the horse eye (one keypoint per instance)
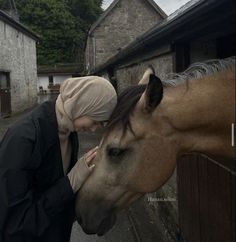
(115, 152)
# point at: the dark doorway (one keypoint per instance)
(5, 94)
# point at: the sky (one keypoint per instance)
(168, 6)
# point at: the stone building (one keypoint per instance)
(200, 208)
(119, 25)
(18, 69)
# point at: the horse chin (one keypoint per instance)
(105, 225)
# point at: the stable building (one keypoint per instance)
(18, 69)
(119, 25)
(202, 190)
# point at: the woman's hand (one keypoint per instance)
(82, 169)
(89, 156)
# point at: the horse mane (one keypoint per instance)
(198, 70)
(128, 99)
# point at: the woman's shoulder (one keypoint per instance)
(45, 110)
(29, 126)
(22, 129)
(45, 121)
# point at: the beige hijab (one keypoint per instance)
(90, 96)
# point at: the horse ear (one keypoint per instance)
(153, 94)
(145, 79)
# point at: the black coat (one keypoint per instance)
(36, 199)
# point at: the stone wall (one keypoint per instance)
(131, 74)
(18, 56)
(125, 22)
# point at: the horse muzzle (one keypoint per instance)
(94, 220)
(105, 225)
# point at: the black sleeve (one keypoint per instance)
(22, 210)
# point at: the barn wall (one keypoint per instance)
(133, 17)
(131, 74)
(18, 56)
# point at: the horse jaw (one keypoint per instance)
(96, 211)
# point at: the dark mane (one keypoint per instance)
(126, 103)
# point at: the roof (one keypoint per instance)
(17, 25)
(61, 69)
(114, 3)
(175, 25)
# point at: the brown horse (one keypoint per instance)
(150, 128)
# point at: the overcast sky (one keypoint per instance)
(168, 6)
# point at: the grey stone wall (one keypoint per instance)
(126, 21)
(18, 56)
(132, 74)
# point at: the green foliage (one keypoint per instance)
(61, 24)
(88, 10)
(5, 4)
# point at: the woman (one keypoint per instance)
(39, 171)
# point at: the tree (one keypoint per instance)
(61, 24)
(5, 5)
(86, 10)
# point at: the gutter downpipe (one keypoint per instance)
(94, 52)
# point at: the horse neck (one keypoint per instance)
(201, 114)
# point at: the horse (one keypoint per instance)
(154, 124)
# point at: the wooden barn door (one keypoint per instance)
(206, 188)
(5, 94)
(206, 196)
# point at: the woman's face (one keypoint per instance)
(84, 124)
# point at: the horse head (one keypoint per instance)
(131, 155)
(151, 126)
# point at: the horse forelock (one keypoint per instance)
(126, 103)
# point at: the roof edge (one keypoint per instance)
(113, 4)
(17, 25)
(157, 8)
(107, 11)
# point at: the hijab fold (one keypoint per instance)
(90, 96)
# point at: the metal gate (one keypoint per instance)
(5, 94)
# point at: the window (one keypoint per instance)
(50, 80)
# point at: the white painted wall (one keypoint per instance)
(60, 79)
(43, 81)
